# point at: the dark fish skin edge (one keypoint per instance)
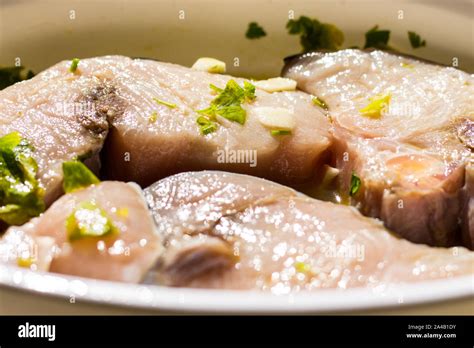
(147, 58)
(294, 59)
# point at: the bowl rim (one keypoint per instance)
(191, 300)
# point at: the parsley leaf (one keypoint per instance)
(77, 176)
(415, 40)
(377, 105)
(227, 104)
(277, 132)
(74, 64)
(21, 196)
(206, 125)
(255, 31)
(319, 102)
(88, 220)
(165, 103)
(377, 38)
(315, 35)
(12, 75)
(153, 117)
(355, 184)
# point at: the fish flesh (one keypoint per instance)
(144, 149)
(66, 115)
(232, 231)
(125, 253)
(62, 116)
(406, 128)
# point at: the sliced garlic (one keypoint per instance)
(275, 118)
(210, 65)
(329, 174)
(276, 84)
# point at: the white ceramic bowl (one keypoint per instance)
(42, 33)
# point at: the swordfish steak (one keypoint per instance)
(232, 231)
(150, 140)
(406, 128)
(104, 231)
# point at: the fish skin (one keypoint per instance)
(125, 256)
(413, 156)
(468, 207)
(232, 231)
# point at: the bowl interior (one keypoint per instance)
(38, 34)
(41, 33)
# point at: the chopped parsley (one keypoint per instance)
(315, 35)
(303, 267)
(13, 74)
(377, 38)
(355, 184)
(227, 104)
(123, 212)
(319, 102)
(280, 132)
(88, 220)
(153, 117)
(21, 195)
(215, 88)
(74, 64)
(255, 31)
(415, 40)
(77, 176)
(377, 105)
(206, 126)
(165, 103)
(25, 262)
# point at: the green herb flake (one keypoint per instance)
(165, 103)
(74, 64)
(153, 117)
(249, 92)
(377, 105)
(215, 88)
(377, 38)
(227, 104)
(13, 74)
(315, 35)
(415, 40)
(88, 220)
(303, 267)
(122, 212)
(355, 184)
(255, 31)
(319, 102)
(21, 195)
(25, 262)
(206, 126)
(277, 132)
(77, 176)
(407, 65)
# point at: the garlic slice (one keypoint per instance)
(276, 84)
(275, 118)
(329, 174)
(210, 65)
